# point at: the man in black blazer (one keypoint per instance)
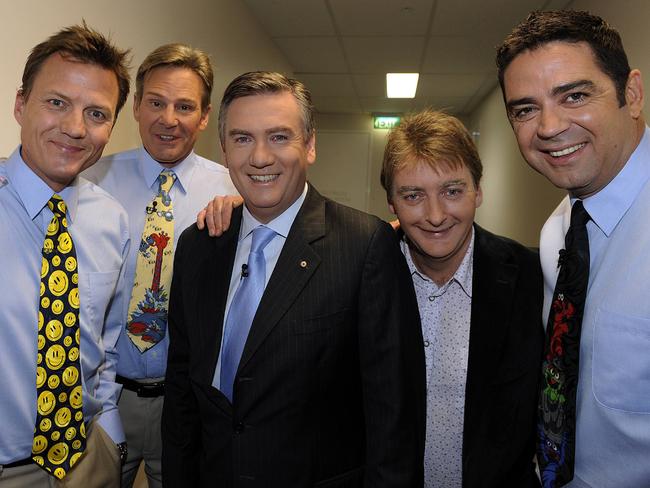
(329, 390)
(480, 298)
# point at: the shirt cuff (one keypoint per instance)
(111, 423)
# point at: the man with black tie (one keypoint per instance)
(295, 353)
(575, 107)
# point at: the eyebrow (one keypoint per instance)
(271, 130)
(558, 90)
(446, 184)
(160, 95)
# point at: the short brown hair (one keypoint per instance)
(180, 56)
(573, 26)
(265, 82)
(432, 137)
(85, 45)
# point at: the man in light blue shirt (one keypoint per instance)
(172, 106)
(73, 87)
(576, 109)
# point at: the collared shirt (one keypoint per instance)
(99, 229)
(281, 225)
(613, 396)
(131, 177)
(445, 312)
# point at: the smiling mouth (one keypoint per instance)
(166, 138)
(263, 178)
(567, 151)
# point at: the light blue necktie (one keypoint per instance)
(243, 307)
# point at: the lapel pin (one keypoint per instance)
(303, 264)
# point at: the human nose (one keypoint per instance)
(436, 214)
(168, 116)
(74, 124)
(261, 155)
(552, 122)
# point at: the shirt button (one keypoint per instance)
(426, 343)
(432, 298)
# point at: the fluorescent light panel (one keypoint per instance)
(401, 85)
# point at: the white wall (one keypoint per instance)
(517, 201)
(223, 28)
(376, 197)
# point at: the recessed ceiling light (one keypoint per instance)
(401, 85)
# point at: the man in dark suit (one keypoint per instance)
(322, 382)
(480, 298)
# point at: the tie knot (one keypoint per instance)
(579, 216)
(261, 237)
(166, 180)
(57, 205)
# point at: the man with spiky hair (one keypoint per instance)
(60, 288)
(479, 297)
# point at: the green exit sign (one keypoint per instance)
(385, 122)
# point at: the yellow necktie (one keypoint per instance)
(147, 318)
(60, 433)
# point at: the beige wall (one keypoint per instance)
(223, 28)
(360, 123)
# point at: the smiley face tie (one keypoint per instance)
(60, 433)
(147, 317)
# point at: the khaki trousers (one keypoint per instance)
(99, 467)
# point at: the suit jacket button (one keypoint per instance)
(239, 428)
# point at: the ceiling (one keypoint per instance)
(342, 49)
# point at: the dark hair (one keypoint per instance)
(85, 45)
(540, 28)
(432, 137)
(181, 56)
(265, 82)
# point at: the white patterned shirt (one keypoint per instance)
(445, 312)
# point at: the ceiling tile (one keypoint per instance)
(328, 85)
(337, 104)
(381, 17)
(383, 54)
(456, 54)
(370, 85)
(283, 18)
(449, 85)
(313, 54)
(490, 21)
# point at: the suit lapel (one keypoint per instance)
(214, 285)
(296, 264)
(493, 285)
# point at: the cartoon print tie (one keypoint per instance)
(60, 433)
(147, 317)
(243, 308)
(557, 405)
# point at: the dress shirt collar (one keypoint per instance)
(33, 192)
(607, 207)
(281, 224)
(462, 276)
(151, 169)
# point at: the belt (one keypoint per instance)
(15, 464)
(145, 390)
